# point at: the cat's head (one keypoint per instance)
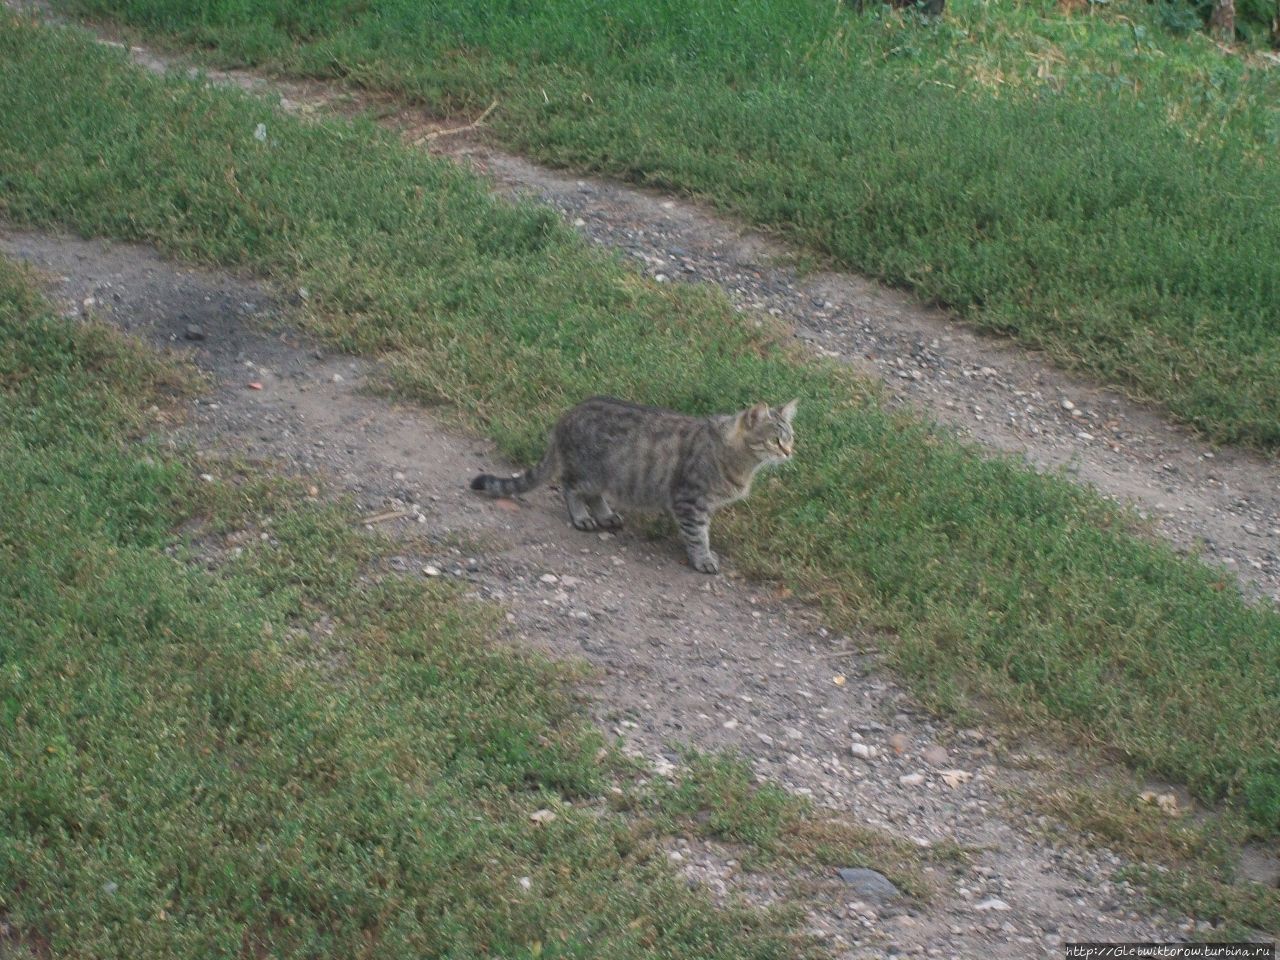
(766, 432)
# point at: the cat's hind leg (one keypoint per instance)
(579, 513)
(604, 516)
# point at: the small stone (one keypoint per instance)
(207, 477)
(110, 887)
(994, 903)
(868, 883)
(1066, 404)
(935, 755)
(193, 333)
(911, 779)
(548, 578)
(863, 751)
(431, 571)
(526, 883)
(337, 378)
(542, 816)
(398, 475)
(313, 491)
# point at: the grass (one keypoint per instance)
(286, 751)
(1022, 589)
(1099, 186)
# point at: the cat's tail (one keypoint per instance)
(492, 486)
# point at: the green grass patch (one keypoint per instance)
(280, 752)
(1101, 187)
(1024, 589)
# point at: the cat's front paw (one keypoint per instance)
(611, 522)
(584, 523)
(706, 563)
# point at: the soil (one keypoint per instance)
(716, 662)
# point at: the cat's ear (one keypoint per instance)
(756, 415)
(788, 411)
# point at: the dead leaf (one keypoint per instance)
(838, 680)
(954, 778)
(542, 816)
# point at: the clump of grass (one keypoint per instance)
(183, 771)
(1093, 185)
(1129, 825)
(1024, 589)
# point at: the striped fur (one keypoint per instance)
(650, 459)
(523, 482)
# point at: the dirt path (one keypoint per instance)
(681, 658)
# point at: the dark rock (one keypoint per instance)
(193, 332)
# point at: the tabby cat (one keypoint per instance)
(652, 459)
